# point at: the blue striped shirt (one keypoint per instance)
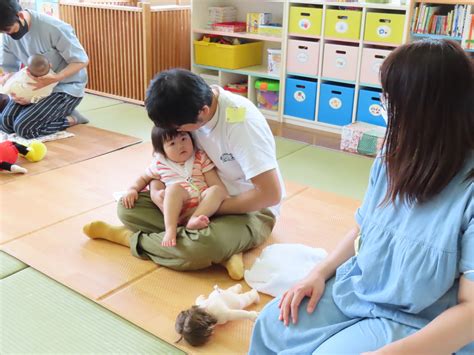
(54, 39)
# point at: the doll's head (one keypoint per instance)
(38, 65)
(174, 145)
(195, 325)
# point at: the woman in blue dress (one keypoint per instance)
(404, 276)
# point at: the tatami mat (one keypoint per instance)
(93, 102)
(154, 301)
(328, 170)
(123, 118)
(62, 193)
(88, 142)
(40, 316)
(9, 265)
(286, 146)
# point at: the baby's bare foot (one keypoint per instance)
(169, 240)
(198, 222)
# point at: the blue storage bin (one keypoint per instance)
(300, 98)
(335, 104)
(368, 107)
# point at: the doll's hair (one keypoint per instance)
(159, 136)
(195, 325)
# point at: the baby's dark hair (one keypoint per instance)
(195, 325)
(38, 65)
(159, 136)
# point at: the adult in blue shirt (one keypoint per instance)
(28, 33)
(404, 276)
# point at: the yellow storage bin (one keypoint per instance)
(228, 56)
(305, 21)
(342, 24)
(384, 28)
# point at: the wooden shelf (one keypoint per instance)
(238, 35)
(256, 71)
(430, 35)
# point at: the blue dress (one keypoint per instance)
(406, 274)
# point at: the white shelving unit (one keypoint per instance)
(280, 10)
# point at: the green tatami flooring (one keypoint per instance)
(39, 315)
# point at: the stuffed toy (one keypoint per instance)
(197, 323)
(9, 154)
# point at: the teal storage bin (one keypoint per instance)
(369, 107)
(300, 98)
(335, 104)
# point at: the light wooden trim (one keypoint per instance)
(128, 45)
(147, 50)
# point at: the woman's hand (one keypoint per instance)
(312, 286)
(43, 81)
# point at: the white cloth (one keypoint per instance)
(48, 138)
(19, 84)
(239, 150)
(280, 266)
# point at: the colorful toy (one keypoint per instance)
(9, 154)
(197, 323)
(267, 94)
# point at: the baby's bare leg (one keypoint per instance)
(211, 200)
(175, 195)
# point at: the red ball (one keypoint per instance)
(8, 152)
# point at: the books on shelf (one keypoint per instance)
(470, 36)
(440, 20)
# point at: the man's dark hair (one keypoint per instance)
(175, 97)
(9, 10)
(159, 136)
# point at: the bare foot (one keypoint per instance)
(198, 222)
(169, 240)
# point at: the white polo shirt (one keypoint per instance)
(240, 150)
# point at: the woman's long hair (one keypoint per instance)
(429, 90)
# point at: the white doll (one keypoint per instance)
(197, 323)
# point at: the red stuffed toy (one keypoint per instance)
(9, 154)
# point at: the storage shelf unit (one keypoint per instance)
(446, 4)
(320, 79)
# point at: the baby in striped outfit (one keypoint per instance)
(191, 183)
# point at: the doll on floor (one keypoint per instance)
(197, 323)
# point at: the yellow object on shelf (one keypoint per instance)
(384, 27)
(270, 30)
(228, 56)
(343, 24)
(305, 21)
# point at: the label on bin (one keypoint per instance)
(304, 24)
(335, 103)
(235, 114)
(299, 96)
(375, 109)
(383, 31)
(341, 27)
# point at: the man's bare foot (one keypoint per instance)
(169, 240)
(198, 222)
